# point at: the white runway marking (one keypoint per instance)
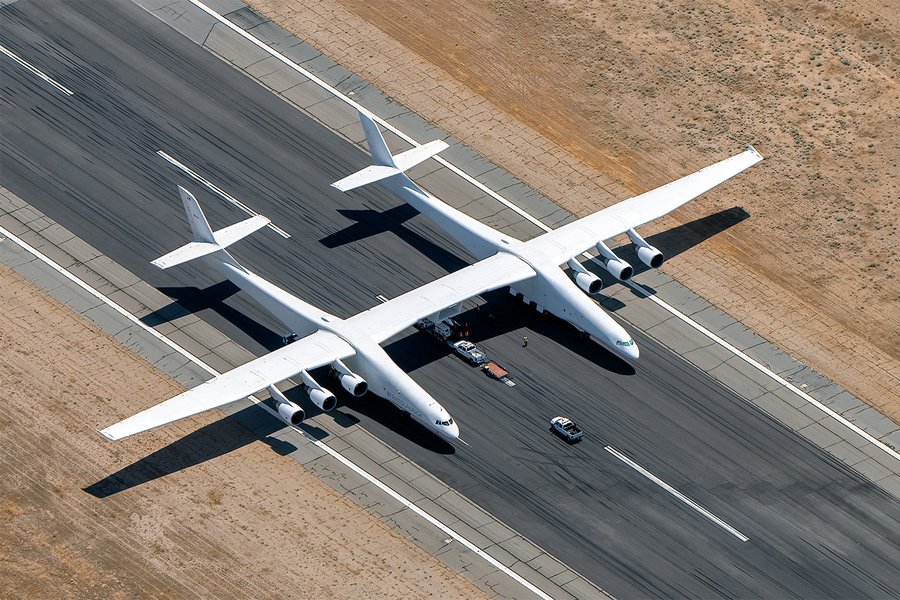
(34, 70)
(662, 304)
(216, 189)
(677, 494)
(362, 472)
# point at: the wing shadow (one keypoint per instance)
(370, 222)
(191, 300)
(500, 315)
(211, 441)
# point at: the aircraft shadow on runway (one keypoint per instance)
(190, 300)
(500, 315)
(208, 442)
(370, 222)
(671, 243)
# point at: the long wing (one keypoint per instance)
(576, 237)
(385, 320)
(310, 352)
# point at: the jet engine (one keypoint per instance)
(318, 395)
(289, 412)
(617, 267)
(350, 381)
(586, 280)
(649, 255)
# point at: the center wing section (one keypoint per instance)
(395, 315)
(307, 353)
(570, 240)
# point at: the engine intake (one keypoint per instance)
(289, 412)
(350, 381)
(649, 255)
(617, 267)
(318, 395)
(586, 280)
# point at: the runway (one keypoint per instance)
(815, 527)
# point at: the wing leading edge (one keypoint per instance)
(576, 237)
(310, 352)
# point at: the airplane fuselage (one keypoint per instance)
(370, 362)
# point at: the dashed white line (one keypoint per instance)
(697, 507)
(37, 72)
(216, 189)
(324, 447)
(662, 304)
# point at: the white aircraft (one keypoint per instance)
(538, 260)
(324, 339)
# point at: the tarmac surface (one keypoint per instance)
(816, 528)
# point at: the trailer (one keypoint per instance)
(495, 371)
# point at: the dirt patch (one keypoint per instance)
(590, 102)
(213, 514)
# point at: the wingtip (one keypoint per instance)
(108, 434)
(753, 150)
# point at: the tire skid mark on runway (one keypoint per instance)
(324, 447)
(35, 71)
(216, 189)
(684, 499)
(525, 214)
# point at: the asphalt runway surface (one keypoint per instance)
(816, 528)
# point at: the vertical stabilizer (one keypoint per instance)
(381, 156)
(197, 220)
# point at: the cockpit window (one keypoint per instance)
(444, 423)
(628, 343)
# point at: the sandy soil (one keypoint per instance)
(230, 518)
(590, 102)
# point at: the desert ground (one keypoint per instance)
(225, 523)
(590, 102)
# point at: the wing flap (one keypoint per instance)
(392, 317)
(310, 352)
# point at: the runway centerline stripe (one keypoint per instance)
(216, 189)
(34, 70)
(4, 233)
(697, 507)
(661, 303)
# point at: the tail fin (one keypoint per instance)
(384, 164)
(206, 241)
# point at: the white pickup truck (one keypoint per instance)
(469, 351)
(567, 429)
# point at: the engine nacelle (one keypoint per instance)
(619, 269)
(354, 384)
(350, 381)
(318, 395)
(322, 398)
(651, 257)
(586, 280)
(289, 412)
(589, 282)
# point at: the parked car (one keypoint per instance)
(566, 428)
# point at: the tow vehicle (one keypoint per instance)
(566, 428)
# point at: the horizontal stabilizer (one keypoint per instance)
(385, 165)
(206, 241)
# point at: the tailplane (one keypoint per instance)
(206, 241)
(384, 164)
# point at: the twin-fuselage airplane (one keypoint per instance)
(352, 347)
